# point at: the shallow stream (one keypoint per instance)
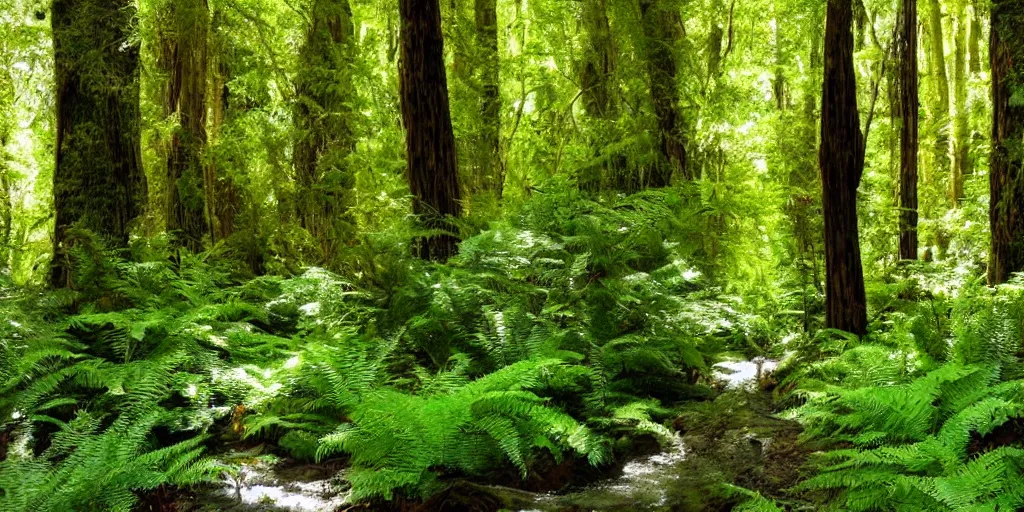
(729, 445)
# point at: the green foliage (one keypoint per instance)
(90, 468)
(397, 440)
(108, 390)
(751, 501)
(906, 434)
(545, 335)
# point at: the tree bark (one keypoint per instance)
(958, 142)
(860, 20)
(940, 80)
(596, 70)
(490, 175)
(598, 64)
(6, 206)
(1006, 176)
(433, 170)
(184, 59)
(714, 45)
(221, 193)
(7, 97)
(322, 118)
(974, 38)
(842, 163)
(661, 28)
(98, 181)
(909, 107)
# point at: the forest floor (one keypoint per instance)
(733, 438)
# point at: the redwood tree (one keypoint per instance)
(906, 51)
(323, 118)
(98, 182)
(661, 25)
(1006, 176)
(490, 176)
(433, 170)
(841, 160)
(184, 53)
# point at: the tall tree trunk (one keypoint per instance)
(661, 28)
(221, 193)
(322, 117)
(598, 63)
(98, 181)
(184, 59)
(909, 106)
(958, 143)
(714, 46)
(430, 142)
(1006, 177)
(974, 38)
(7, 97)
(842, 164)
(596, 70)
(490, 174)
(860, 21)
(6, 205)
(940, 80)
(779, 80)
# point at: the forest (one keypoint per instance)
(511, 255)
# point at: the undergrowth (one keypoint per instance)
(552, 334)
(906, 426)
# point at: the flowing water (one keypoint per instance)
(646, 483)
(659, 482)
(259, 487)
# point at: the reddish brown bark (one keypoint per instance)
(841, 159)
(1006, 176)
(184, 59)
(98, 182)
(433, 170)
(908, 103)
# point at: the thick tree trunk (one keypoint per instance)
(842, 164)
(98, 181)
(430, 142)
(958, 142)
(184, 59)
(909, 106)
(490, 175)
(1006, 177)
(661, 28)
(322, 117)
(7, 95)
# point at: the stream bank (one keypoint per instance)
(734, 438)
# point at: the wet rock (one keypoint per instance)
(263, 487)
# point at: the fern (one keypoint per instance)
(911, 442)
(397, 440)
